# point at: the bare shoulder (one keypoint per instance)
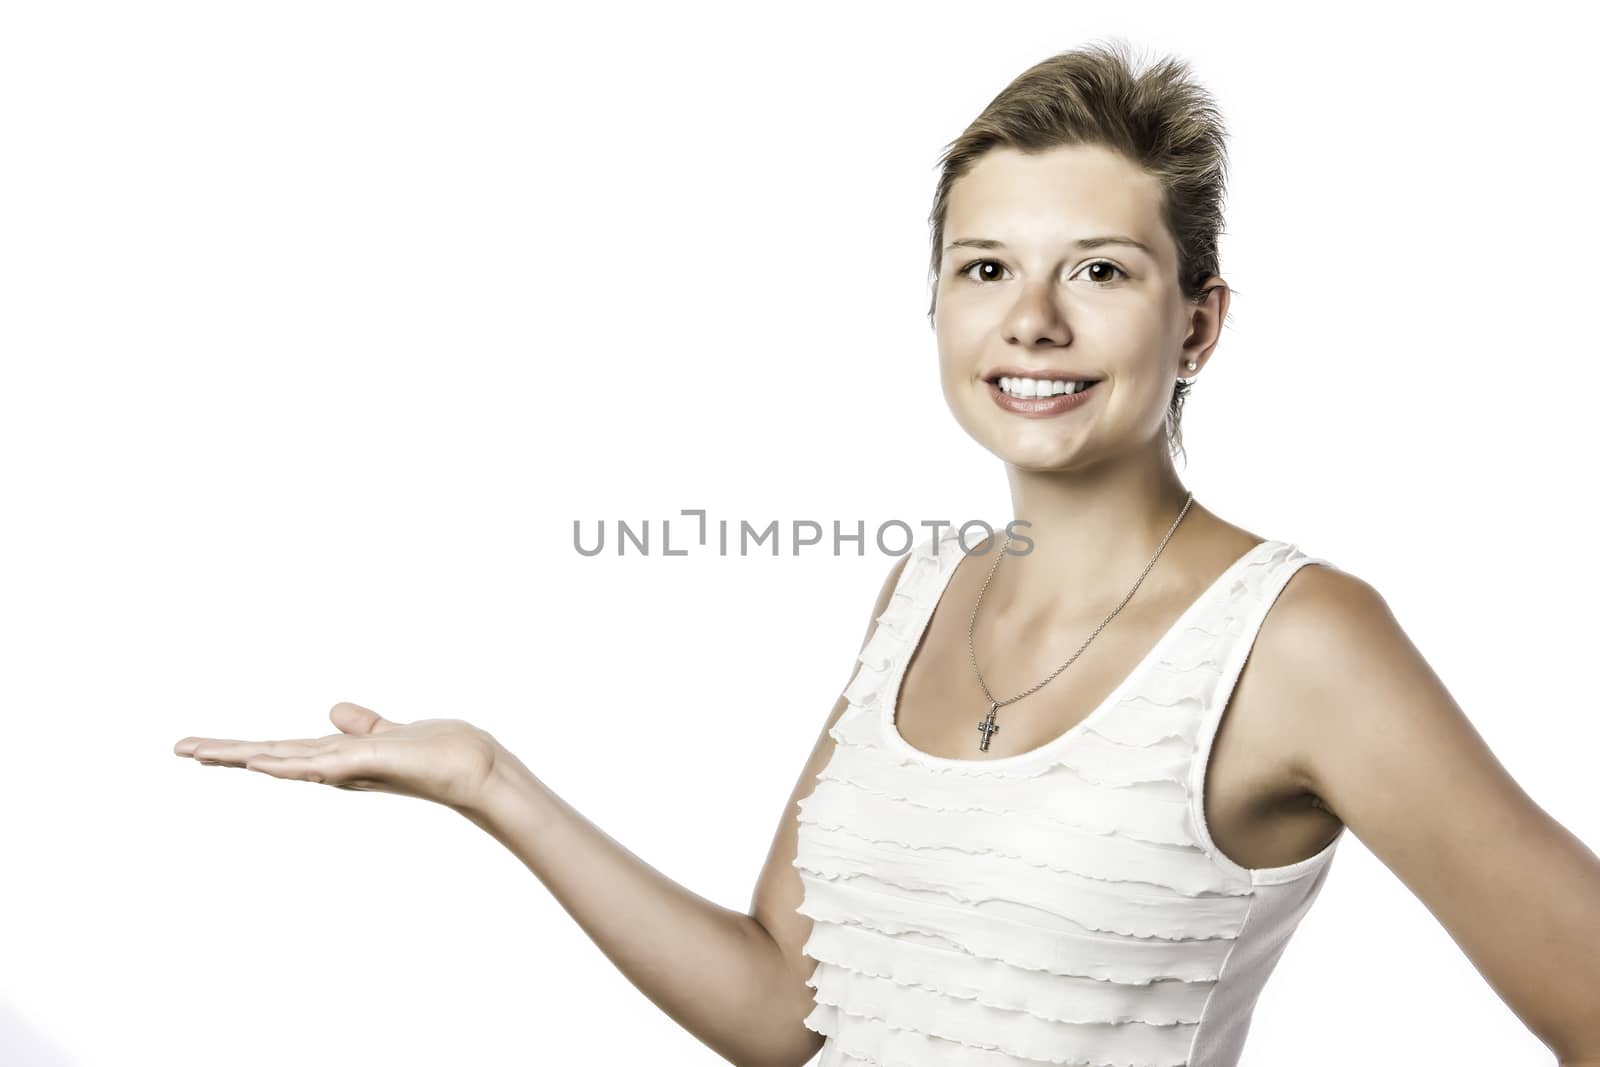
(1322, 603)
(1345, 676)
(1325, 625)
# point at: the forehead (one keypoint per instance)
(1056, 196)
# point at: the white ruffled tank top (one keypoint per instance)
(1061, 906)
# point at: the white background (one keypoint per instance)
(322, 322)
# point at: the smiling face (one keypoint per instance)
(1038, 278)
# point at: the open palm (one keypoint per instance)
(447, 761)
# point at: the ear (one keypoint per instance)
(1205, 322)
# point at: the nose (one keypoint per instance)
(1035, 318)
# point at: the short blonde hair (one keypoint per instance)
(1160, 119)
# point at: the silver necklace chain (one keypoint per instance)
(987, 726)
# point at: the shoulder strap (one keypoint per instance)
(1239, 638)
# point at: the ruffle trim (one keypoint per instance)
(1144, 811)
(994, 886)
(896, 1041)
(1023, 836)
(852, 956)
(1035, 945)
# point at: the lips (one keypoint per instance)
(1043, 406)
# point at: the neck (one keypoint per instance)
(1092, 534)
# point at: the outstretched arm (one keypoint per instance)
(734, 980)
(1384, 745)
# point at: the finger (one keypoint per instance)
(299, 768)
(187, 746)
(236, 753)
(340, 766)
(355, 719)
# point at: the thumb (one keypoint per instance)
(355, 719)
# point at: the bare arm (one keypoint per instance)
(735, 981)
(1390, 751)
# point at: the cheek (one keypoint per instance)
(958, 353)
(1141, 395)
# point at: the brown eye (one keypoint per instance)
(1108, 269)
(966, 271)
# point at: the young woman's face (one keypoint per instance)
(1045, 299)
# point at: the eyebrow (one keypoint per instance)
(1084, 243)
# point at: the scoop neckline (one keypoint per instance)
(891, 704)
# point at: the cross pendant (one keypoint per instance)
(988, 728)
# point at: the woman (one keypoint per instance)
(1028, 832)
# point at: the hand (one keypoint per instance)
(447, 761)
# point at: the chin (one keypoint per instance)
(1031, 449)
(1039, 461)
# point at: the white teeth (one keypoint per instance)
(1026, 388)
